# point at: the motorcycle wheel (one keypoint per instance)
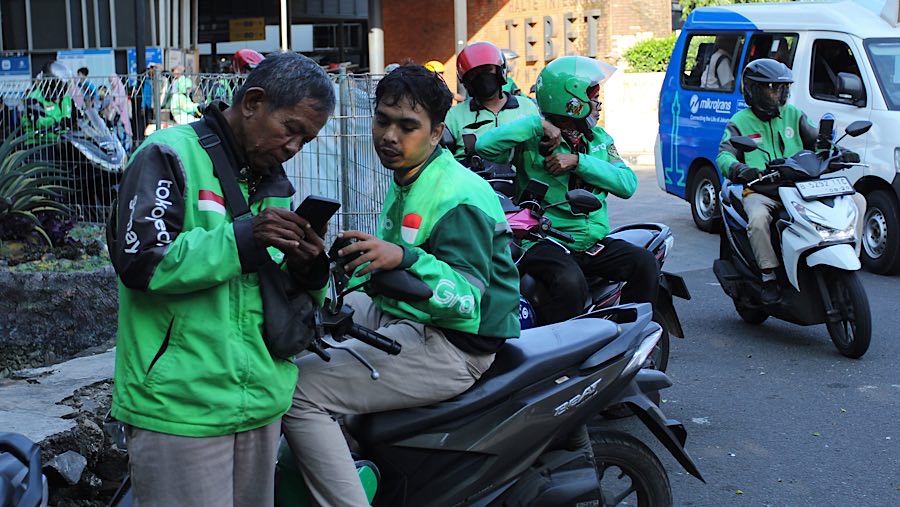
(853, 333)
(629, 472)
(753, 316)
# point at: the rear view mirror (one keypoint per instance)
(399, 284)
(582, 202)
(858, 128)
(744, 143)
(850, 89)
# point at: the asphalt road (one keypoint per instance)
(775, 416)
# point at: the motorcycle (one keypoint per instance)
(22, 484)
(815, 234)
(508, 440)
(528, 223)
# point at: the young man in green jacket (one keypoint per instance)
(481, 67)
(200, 392)
(444, 224)
(567, 91)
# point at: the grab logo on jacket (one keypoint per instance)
(409, 228)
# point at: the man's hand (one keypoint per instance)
(378, 253)
(551, 139)
(743, 173)
(288, 232)
(559, 163)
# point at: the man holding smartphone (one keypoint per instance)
(444, 224)
(195, 383)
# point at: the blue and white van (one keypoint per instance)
(845, 58)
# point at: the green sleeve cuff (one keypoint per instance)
(410, 257)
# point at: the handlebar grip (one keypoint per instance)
(560, 235)
(374, 339)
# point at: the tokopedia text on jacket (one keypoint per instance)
(456, 239)
(190, 355)
(599, 170)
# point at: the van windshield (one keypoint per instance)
(885, 57)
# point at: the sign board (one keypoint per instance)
(243, 29)
(101, 63)
(15, 68)
(152, 55)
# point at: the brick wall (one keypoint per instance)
(424, 30)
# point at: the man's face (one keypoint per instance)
(273, 137)
(403, 135)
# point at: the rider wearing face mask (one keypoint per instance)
(482, 69)
(567, 93)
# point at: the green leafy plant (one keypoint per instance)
(688, 5)
(28, 188)
(650, 55)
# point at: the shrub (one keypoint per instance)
(650, 55)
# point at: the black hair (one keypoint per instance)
(83, 70)
(287, 79)
(420, 86)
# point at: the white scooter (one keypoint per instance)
(815, 234)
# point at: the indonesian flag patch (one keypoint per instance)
(756, 136)
(409, 229)
(211, 201)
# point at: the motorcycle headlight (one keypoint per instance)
(826, 232)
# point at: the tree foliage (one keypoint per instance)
(650, 55)
(688, 5)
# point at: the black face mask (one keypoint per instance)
(484, 86)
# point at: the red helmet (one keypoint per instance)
(478, 54)
(246, 60)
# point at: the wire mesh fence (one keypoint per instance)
(90, 128)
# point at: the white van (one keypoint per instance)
(845, 57)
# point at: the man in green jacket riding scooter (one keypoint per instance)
(567, 91)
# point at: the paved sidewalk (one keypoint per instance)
(30, 401)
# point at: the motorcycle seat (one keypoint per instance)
(637, 237)
(539, 354)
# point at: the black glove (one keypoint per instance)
(743, 173)
(849, 156)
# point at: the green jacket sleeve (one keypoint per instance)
(456, 263)
(728, 154)
(612, 175)
(495, 144)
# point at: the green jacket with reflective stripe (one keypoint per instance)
(779, 137)
(470, 117)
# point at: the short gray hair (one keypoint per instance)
(288, 78)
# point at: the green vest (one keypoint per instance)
(53, 114)
(470, 118)
(777, 138)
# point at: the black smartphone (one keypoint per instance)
(318, 210)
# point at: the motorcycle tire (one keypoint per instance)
(619, 455)
(853, 333)
(753, 316)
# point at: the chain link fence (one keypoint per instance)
(90, 128)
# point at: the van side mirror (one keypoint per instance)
(858, 128)
(743, 143)
(850, 89)
(582, 201)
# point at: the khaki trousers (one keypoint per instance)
(428, 369)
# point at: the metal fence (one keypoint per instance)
(116, 113)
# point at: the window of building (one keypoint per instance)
(831, 58)
(709, 61)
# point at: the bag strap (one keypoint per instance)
(223, 169)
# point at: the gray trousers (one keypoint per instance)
(428, 369)
(759, 210)
(238, 469)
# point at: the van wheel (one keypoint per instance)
(704, 197)
(880, 251)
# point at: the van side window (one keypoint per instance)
(833, 68)
(777, 46)
(709, 61)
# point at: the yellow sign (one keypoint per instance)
(242, 29)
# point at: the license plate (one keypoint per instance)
(824, 188)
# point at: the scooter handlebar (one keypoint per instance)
(560, 235)
(374, 339)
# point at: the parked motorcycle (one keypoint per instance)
(528, 223)
(508, 440)
(815, 236)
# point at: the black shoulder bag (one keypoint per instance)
(288, 310)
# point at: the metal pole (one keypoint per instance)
(140, 30)
(345, 144)
(460, 25)
(285, 26)
(376, 38)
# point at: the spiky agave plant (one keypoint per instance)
(28, 186)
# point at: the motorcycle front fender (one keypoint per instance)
(838, 256)
(669, 432)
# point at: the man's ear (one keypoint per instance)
(253, 102)
(436, 133)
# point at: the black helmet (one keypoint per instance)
(759, 77)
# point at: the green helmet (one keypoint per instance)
(562, 87)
